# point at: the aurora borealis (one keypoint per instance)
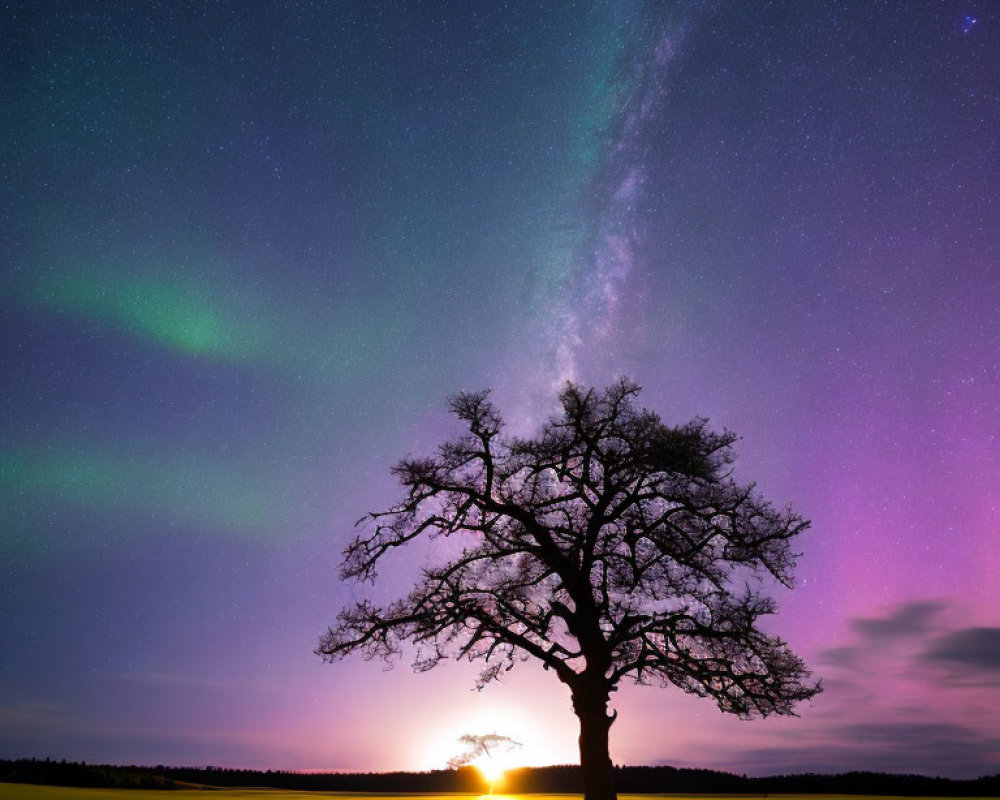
(249, 248)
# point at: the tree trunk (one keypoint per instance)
(595, 760)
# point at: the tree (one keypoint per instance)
(478, 746)
(609, 547)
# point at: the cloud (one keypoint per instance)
(908, 619)
(919, 641)
(939, 748)
(172, 679)
(910, 735)
(974, 649)
(846, 656)
(902, 694)
(922, 747)
(904, 622)
(30, 715)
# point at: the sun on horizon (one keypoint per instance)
(494, 766)
(537, 741)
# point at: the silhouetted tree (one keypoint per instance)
(610, 546)
(477, 746)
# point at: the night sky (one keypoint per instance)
(248, 249)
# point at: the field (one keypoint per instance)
(22, 791)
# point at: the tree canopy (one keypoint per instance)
(608, 547)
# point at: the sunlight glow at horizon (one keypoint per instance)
(541, 744)
(493, 768)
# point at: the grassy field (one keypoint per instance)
(23, 791)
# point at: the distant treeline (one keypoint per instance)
(520, 781)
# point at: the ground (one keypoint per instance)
(22, 791)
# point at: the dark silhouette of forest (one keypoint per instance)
(468, 780)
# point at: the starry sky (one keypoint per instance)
(249, 248)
